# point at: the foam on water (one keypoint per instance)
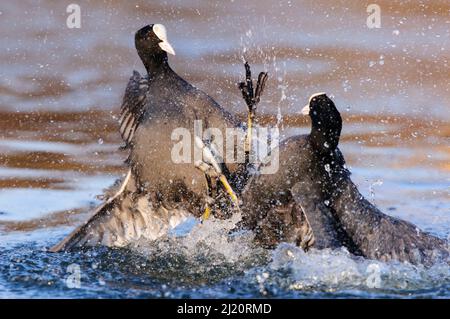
(205, 260)
(206, 245)
(338, 270)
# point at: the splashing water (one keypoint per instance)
(388, 124)
(206, 260)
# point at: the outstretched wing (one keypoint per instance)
(384, 237)
(325, 228)
(133, 106)
(95, 230)
(122, 219)
(287, 223)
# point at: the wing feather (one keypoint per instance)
(133, 106)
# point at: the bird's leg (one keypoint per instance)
(252, 98)
(207, 211)
(210, 174)
(210, 159)
(210, 166)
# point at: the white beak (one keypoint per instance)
(305, 110)
(166, 47)
(161, 33)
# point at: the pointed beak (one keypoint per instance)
(166, 47)
(305, 110)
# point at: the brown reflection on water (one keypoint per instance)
(61, 89)
(84, 130)
(386, 133)
(66, 218)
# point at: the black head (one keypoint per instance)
(152, 46)
(326, 122)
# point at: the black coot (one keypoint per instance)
(157, 191)
(296, 192)
(313, 178)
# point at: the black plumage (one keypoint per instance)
(326, 123)
(313, 177)
(157, 190)
(154, 106)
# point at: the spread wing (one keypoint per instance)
(133, 106)
(287, 223)
(319, 215)
(97, 228)
(122, 219)
(383, 237)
